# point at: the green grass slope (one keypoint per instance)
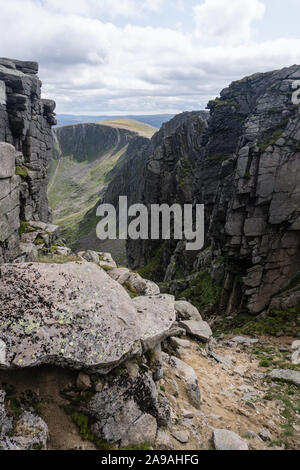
(74, 188)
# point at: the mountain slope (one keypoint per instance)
(85, 154)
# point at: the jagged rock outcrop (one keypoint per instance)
(244, 165)
(126, 409)
(25, 152)
(258, 201)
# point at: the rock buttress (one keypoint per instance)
(26, 144)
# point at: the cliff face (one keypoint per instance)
(125, 176)
(255, 205)
(160, 172)
(244, 166)
(87, 142)
(25, 151)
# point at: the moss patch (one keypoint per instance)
(22, 171)
(153, 270)
(25, 228)
(270, 141)
(286, 321)
(84, 424)
(131, 290)
(203, 292)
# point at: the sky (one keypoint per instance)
(147, 56)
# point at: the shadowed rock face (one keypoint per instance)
(167, 175)
(244, 166)
(87, 142)
(26, 149)
(74, 315)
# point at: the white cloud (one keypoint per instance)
(98, 8)
(227, 21)
(93, 66)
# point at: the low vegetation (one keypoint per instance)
(57, 259)
(154, 269)
(203, 292)
(22, 171)
(285, 322)
(288, 396)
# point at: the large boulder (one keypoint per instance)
(74, 315)
(134, 282)
(228, 440)
(199, 329)
(31, 433)
(121, 275)
(152, 311)
(286, 375)
(188, 375)
(100, 258)
(187, 311)
(142, 431)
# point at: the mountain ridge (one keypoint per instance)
(155, 120)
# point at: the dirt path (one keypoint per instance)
(234, 398)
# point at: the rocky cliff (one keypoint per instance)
(243, 164)
(25, 152)
(87, 142)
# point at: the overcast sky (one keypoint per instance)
(147, 56)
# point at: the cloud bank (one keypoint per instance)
(98, 56)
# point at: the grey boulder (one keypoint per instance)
(187, 311)
(199, 329)
(74, 315)
(228, 440)
(291, 376)
(188, 375)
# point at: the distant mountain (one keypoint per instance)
(155, 120)
(142, 129)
